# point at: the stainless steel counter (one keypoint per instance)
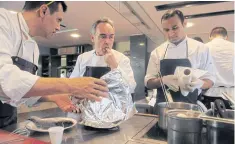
(79, 134)
(133, 131)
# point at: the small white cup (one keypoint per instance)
(56, 134)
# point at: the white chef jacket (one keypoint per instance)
(14, 83)
(222, 52)
(91, 59)
(198, 55)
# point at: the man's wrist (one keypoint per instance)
(45, 99)
(68, 88)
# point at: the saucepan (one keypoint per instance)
(184, 126)
(218, 131)
(164, 107)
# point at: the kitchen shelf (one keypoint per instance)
(51, 64)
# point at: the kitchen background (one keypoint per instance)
(138, 31)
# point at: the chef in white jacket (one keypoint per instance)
(222, 52)
(103, 58)
(178, 50)
(19, 59)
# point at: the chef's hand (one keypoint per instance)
(88, 87)
(171, 81)
(110, 59)
(194, 84)
(63, 101)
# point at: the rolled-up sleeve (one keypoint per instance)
(208, 65)
(125, 68)
(14, 83)
(153, 67)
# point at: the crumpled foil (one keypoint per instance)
(111, 111)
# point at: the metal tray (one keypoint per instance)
(34, 127)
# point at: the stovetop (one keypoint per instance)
(156, 133)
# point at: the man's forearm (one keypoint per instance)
(153, 83)
(49, 86)
(207, 84)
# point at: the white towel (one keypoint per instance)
(184, 79)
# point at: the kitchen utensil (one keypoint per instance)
(165, 91)
(21, 131)
(213, 109)
(220, 131)
(220, 107)
(169, 96)
(181, 127)
(216, 119)
(201, 106)
(184, 127)
(163, 109)
(44, 124)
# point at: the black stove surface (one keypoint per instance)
(157, 133)
(219, 136)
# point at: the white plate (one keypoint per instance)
(31, 126)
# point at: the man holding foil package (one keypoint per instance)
(182, 51)
(19, 59)
(102, 60)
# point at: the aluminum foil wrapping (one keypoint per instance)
(111, 111)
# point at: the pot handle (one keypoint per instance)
(201, 106)
(219, 104)
(222, 120)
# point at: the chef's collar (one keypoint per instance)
(94, 53)
(172, 45)
(23, 23)
(97, 55)
(218, 38)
